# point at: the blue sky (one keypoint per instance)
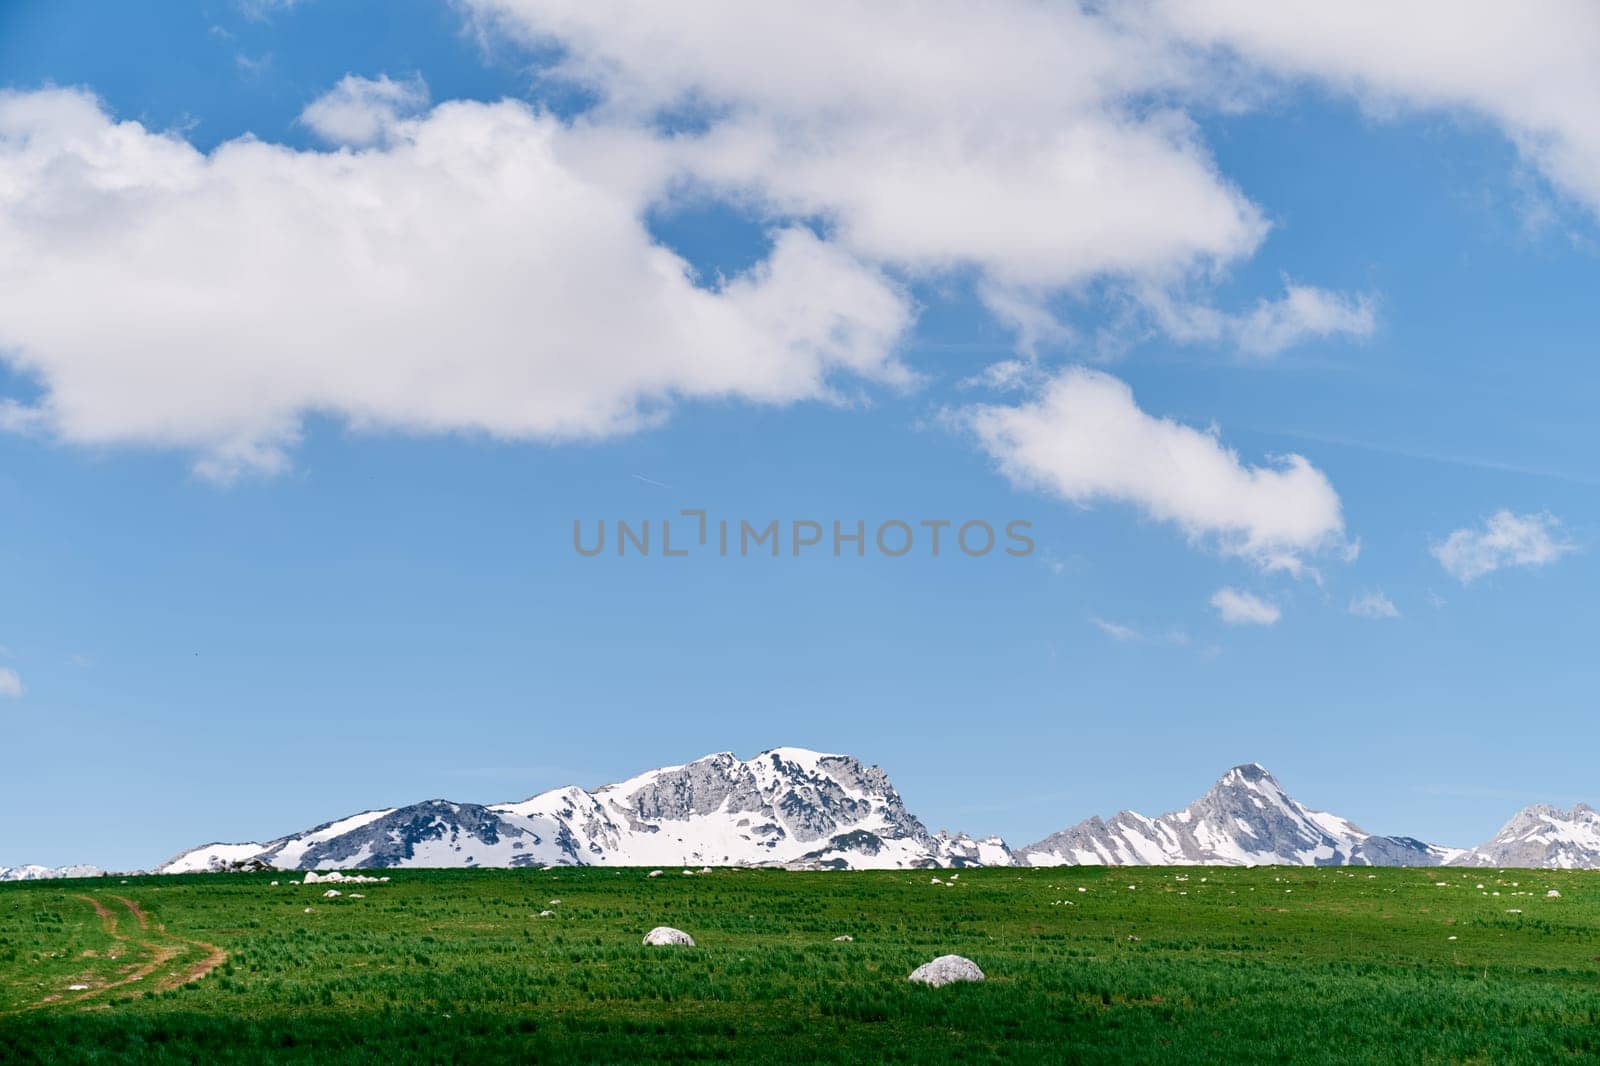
(266, 566)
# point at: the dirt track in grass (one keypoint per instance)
(161, 956)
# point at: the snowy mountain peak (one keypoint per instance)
(1245, 819)
(1545, 836)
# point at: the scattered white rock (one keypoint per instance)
(1082, 889)
(655, 873)
(332, 893)
(357, 895)
(308, 910)
(547, 914)
(1514, 910)
(1553, 894)
(945, 970)
(936, 881)
(274, 884)
(1449, 938)
(555, 903)
(688, 873)
(81, 988)
(705, 869)
(666, 936)
(846, 939)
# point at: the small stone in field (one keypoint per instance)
(847, 938)
(945, 970)
(666, 936)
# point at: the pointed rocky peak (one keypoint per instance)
(1249, 777)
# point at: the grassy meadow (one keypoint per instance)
(1084, 965)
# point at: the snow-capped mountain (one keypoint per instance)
(41, 873)
(1246, 819)
(1542, 836)
(786, 806)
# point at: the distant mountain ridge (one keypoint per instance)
(44, 873)
(800, 808)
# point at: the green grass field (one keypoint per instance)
(1192, 965)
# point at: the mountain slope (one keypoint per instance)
(1245, 819)
(1542, 836)
(786, 806)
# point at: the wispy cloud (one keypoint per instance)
(1505, 539)
(1116, 630)
(1373, 605)
(10, 684)
(1471, 462)
(1123, 632)
(1239, 608)
(1271, 326)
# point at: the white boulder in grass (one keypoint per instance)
(666, 936)
(946, 969)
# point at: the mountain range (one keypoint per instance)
(804, 809)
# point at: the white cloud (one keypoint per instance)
(1032, 142)
(1116, 630)
(1240, 608)
(1084, 439)
(1506, 539)
(1007, 375)
(1272, 326)
(1530, 69)
(10, 684)
(1133, 634)
(1373, 605)
(362, 111)
(484, 270)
